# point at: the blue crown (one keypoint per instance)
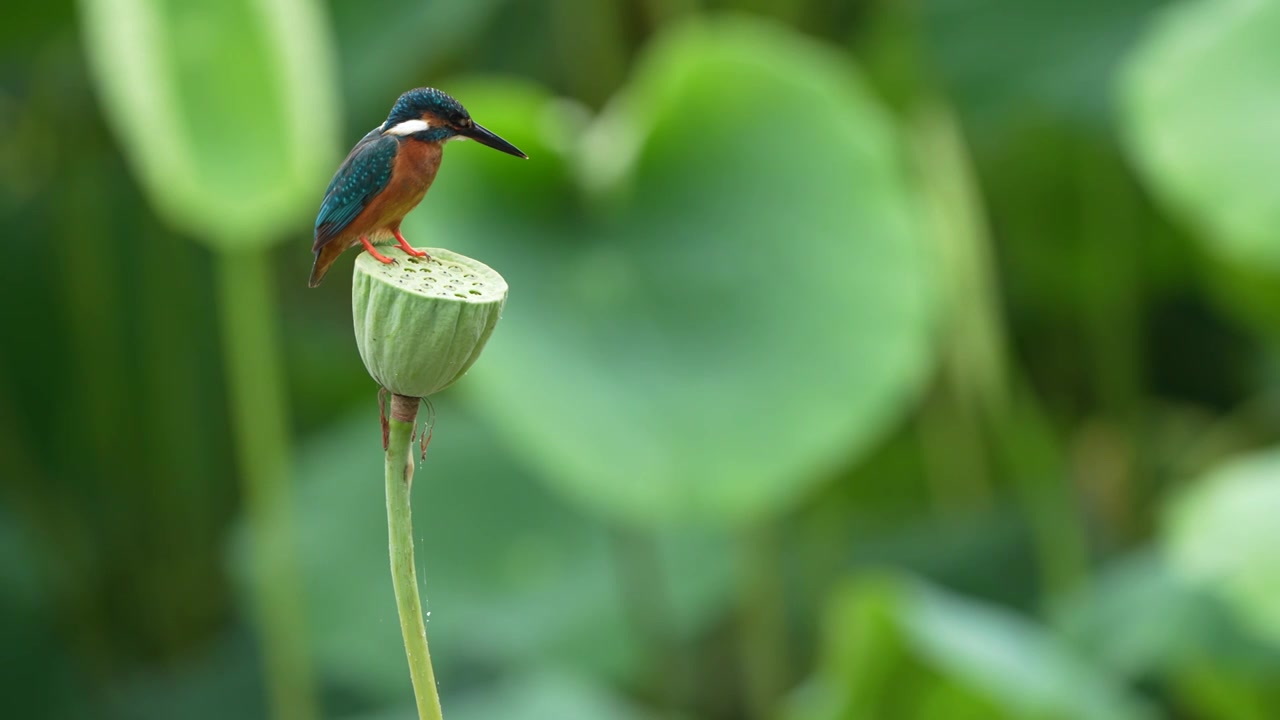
(413, 103)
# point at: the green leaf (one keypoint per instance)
(544, 695)
(1203, 118)
(226, 110)
(222, 680)
(719, 293)
(532, 696)
(1052, 58)
(510, 576)
(903, 649)
(1221, 534)
(1138, 619)
(1142, 621)
(382, 59)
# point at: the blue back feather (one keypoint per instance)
(363, 175)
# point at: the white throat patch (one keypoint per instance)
(408, 127)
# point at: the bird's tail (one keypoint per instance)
(324, 258)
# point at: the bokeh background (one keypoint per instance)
(875, 359)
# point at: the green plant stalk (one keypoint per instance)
(592, 32)
(666, 12)
(975, 370)
(647, 603)
(404, 576)
(764, 654)
(984, 387)
(259, 423)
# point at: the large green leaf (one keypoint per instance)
(1203, 117)
(1145, 622)
(903, 649)
(225, 108)
(1019, 60)
(1138, 619)
(1222, 534)
(531, 696)
(382, 59)
(718, 291)
(544, 695)
(510, 576)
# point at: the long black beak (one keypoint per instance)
(484, 137)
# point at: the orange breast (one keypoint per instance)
(415, 169)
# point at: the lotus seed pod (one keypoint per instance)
(421, 324)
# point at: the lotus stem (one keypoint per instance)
(404, 576)
(259, 420)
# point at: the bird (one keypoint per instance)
(387, 174)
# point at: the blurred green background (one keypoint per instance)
(874, 359)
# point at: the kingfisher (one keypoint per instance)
(387, 174)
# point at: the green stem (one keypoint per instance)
(1029, 446)
(974, 370)
(763, 625)
(404, 576)
(985, 388)
(259, 423)
(647, 604)
(592, 47)
(661, 13)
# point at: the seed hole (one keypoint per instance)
(475, 292)
(464, 297)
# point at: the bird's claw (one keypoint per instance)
(369, 248)
(404, 245)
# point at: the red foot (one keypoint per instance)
(404, 245)
(368, 246)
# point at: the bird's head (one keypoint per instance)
(429, 115)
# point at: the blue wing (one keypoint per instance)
(363, 175)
